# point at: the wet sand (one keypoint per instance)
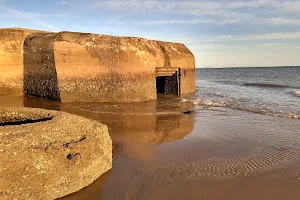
(162, 150)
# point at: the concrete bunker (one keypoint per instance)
(72, 67)
(11, 60)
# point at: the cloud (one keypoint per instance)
(282, 21)
(248, 4)
(280, 45)
(205, 48)
(269, 36)
(293, 37)
(28, 16)
(272, 12)
(289, 6)
(269, 21)
(63, 2)
(125, 5)
(194, 21)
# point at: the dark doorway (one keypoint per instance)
(160, 84)
(167, 84)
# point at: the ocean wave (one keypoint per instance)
(268, 112)
(209, 103)
(296, 93)
(232, 105)
(271, 85)
(257, 84)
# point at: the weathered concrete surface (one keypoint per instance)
(89, 67)
(11, 60)
(56, 155)
(177, 55)
(70, 66)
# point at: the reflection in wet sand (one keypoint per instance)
(134, 128)
(159, 153)
(144, 121)
(93, 191)
(12, 101)
(149, 122)
(272, 146)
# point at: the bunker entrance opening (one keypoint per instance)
(167, 81)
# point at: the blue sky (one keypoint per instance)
(220, 33)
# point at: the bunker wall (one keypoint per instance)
(11, 60)
(68, 66)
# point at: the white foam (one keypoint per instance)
(210, 103)
(297, 92)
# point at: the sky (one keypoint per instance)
(220, 33)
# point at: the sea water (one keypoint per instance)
(269, 90)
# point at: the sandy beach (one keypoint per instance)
(162, 152)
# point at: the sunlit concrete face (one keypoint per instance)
(68, 66)
(11, 60)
